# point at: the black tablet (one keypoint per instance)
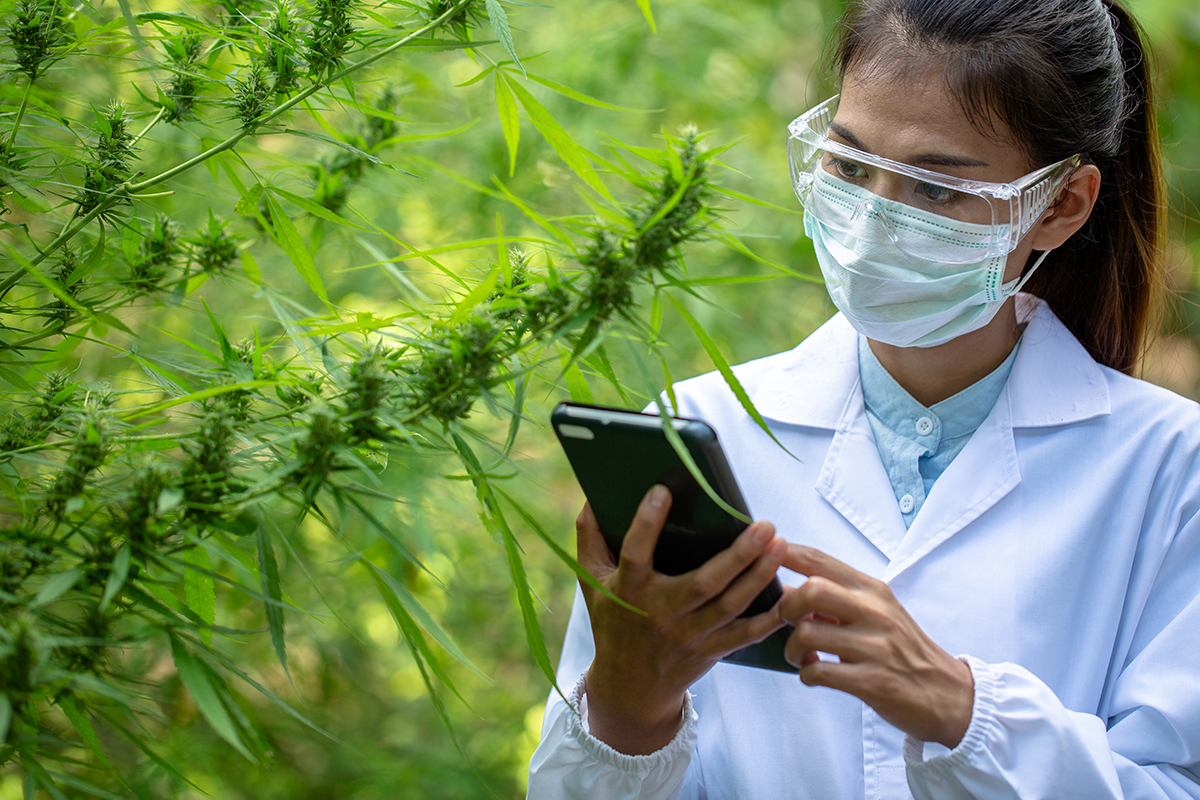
(618, 455)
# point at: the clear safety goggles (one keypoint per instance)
(984, 219)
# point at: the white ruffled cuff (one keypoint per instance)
(983, 710)
(682, 745)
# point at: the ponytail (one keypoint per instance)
(1066, 77)
(1107, 284)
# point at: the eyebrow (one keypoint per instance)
(927, 159)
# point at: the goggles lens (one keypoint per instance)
(926, 214)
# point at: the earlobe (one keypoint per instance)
(1070, 212)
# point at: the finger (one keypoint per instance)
(849, 644)
(715, 575)
(591, 549)
(741, 593)
(745, 631)
(637, 549)
(823, 597)
(812, 562)
(861, 680)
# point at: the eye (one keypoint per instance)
(845, 169)
(934, 194)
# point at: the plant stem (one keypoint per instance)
(20, 115)
(161, 113)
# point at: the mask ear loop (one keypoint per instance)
(1019, 283)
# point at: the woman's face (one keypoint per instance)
(915, 120)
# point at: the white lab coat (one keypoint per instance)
(1059, 553)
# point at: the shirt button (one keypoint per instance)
(906, 504)
(924, 426)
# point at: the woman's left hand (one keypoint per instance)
(887, 661)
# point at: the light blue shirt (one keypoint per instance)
(917, 443)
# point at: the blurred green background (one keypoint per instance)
(739, 69)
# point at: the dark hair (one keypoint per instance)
(1065, 77)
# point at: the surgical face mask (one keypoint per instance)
(890, 295)
(911, 257)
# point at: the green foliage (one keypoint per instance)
(277, 345)
(144, 511)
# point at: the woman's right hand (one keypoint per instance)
(645, 663)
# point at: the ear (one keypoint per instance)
(1068, 213)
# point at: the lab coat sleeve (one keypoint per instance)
(1022, 742)
(571, 764)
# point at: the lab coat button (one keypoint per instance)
(924, 426)
(906, 504)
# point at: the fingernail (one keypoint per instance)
(777, 549)
(760, 533)
(657, 497)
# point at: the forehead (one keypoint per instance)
(913, 117)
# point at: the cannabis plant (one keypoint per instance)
(153, 472)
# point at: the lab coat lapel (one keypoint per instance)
(806, 390)
(855, 482)
(818, 387)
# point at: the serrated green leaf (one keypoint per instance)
(562, 142)
(412, 632)
(477, 77)
(289, 239)
(580, 97)
(318, 210)
(200, 591)
(204, 694)
(493, 516)
(338, 143)
(41, 778)
(537, 218)
(566, 557)
(474, 297)
(227, 354)
(116, 575)
(499, 21)
(714, 353)
(78, 717)
(422, 617)
(510, 122)
(644, 5)
(56, 586)
(248, 202)
(25, 195)
(5, 717)
(268, 570)
(250, 267)
(83, 786)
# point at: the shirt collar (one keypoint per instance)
(954, 417)
(1053, 381)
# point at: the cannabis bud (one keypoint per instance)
(251, 96)
(185, 78)
(330, 38)
(37, 34)
(89, 450)
(111, 154)
(280, 57)
(156, 254)
(213, 250)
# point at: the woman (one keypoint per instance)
(994, 528)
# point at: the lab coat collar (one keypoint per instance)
(1053, 382)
